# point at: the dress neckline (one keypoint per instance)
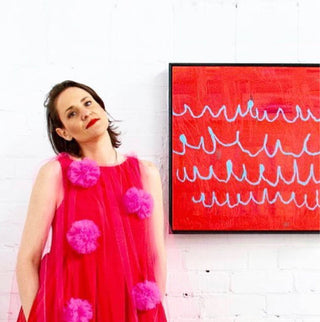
(101, 166)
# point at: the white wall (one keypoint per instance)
(122, 49)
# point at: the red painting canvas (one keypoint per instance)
(245, 147)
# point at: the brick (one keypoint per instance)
(151, 45)
(220, 319)
(307, 281)
(264, 319)
(254, 23)
(230, 304)
(174, 259)
(19, 189)
(263, 258)
(309, 319)
(216, 259)
(302, 304)
(299, 257)
(180, 283)
(8, 259)
(212, 282)
(190, 43)
(11, 234)
(262, 282)
(9, 306)
(309, 41)
(183, 307)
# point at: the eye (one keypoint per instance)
(71, 114)
(87, 103)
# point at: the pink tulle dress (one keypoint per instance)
(101, 263)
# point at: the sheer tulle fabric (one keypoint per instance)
(101, 253)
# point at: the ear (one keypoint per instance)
(64, 134)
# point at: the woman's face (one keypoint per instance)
(83, 118)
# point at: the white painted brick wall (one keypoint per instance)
(122, 49)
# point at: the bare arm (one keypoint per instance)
(154, 186)
(42, 205)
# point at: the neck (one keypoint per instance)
(100, 149)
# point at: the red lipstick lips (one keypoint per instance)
(91, 122)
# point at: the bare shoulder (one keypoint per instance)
(150, 166)
(49, 182)
(50, 169)
(152, 170)
(50, 173)
(148, 163)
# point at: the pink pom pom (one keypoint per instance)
(146, 295)
(84, 173)
(132, 200)
(138, 201)
(77, 310)
(146, 205)
(82, 236)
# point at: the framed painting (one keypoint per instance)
(244, 147)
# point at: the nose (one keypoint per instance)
(84, 114)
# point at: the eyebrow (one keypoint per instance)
(82, 99)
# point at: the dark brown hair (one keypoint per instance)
(58, 143)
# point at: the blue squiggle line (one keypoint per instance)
(244, 177)
(265, 198)
(215, 139)
(249, 111)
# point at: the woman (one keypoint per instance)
(104, 211)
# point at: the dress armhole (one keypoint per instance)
(60, 194)
(64, 162)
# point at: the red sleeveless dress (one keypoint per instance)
(101, 262)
